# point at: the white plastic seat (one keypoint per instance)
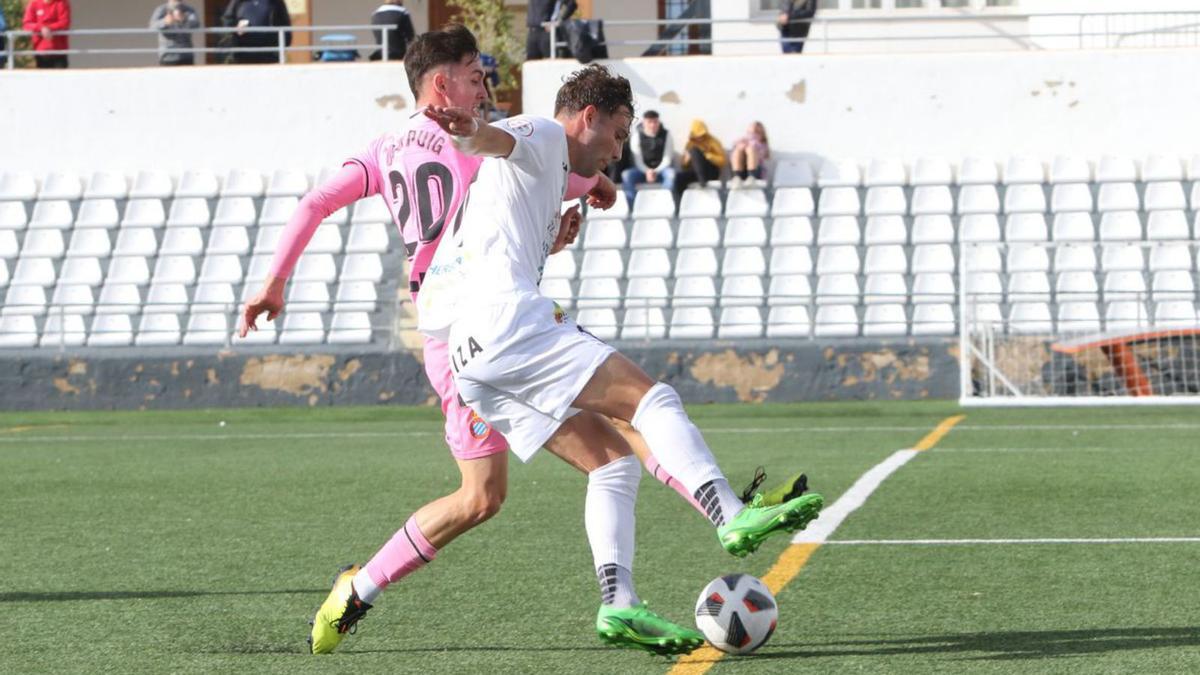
(604, 234)
(370, 211)
(887, 320)
(242, 183)
(647, 292)
(789, 289)
(643, 323)
(13, 216)
(694, 292)
(189, 212)
(198, 184)
(793, 173)
(889, 287)
(158, 329)
(1069, 286)
(229, 240)
(932, 229)
(885, 172)
(742, 291)
(837, 260)
(235, 212)
(363, 238)
(1164, 196)
(793, 201)
(652, 233)
(287, 183)
(151, 185)
(618, 211)
(1175, 314)
(166, 298)
(599, 322)
(978, 199)
(181, 241)
(935, 287)
(54, 215)
(836, 321)
(930, 200)
(1126, 315)
(315, 267)
(558, 290)
(931, 171)
(653, 204)
(982, 227)
(175, 269)
(788, 321)
(117, 298)
(700, 203)
(1167, 225)
(1078, 317)
(839, 201)
(350, 328)
(745, 231)
(1172, 285)
(791, 260)
(1170, 257)
(696, 262)
(25, 300)
(1070, 170)
(43, 244)
(1194, 197)
(66, 331)
(8, 245)
(361, 267)
(1026, 258)
(1025, 227)
(356, 296)
(97, 213)
(1115, 258)
(885, 201)
(66, 186)
(977, 171)
(1024, 170)
(1116, 170)
(1030, 317)
(1074, 227)
(1028, 287)
(84, 271)
(1071, 197)
(987, 313)
(561, 265)
(208, 328)
(266, 240)
(888, 230)
(144, 213)
(691, 323)
(128, 270)
(1162, 168)
(1118, 197)
(837, 289)
(1126, 285)
(932, 258)
(888, 258)
(214, 296)
(277, 210)
(111, 330)
(265, 335)
(72, 299)
(1074, 259)
(1024, 199)
(342, 216)
(136, 241)
(93, 243)
(599, 292)
(302, 328)
(834, 230)
(18, 186)
(605, 264)
(791, 231)
(839, 173)
(1120, 226)
(983, 258)
(744, 260)
(328, 238)
(695, 232)
(746, 202)
(740, 323)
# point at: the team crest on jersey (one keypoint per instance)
(479, 428)
(522, 127)
(559, 314)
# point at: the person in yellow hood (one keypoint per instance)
(703, 158)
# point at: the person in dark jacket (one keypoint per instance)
(653, 154)
(794, 21)
(393, 15)
(243, 14)
(175, 22)
(537, 43)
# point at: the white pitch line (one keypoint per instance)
(970, 542)
(821, 528)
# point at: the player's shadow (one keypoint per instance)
(1003, 645)
(69, 596)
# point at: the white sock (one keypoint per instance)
(365, 586)
(608, 516)
(678, 446)
(616, 586)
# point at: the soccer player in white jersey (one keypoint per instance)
(527, 369)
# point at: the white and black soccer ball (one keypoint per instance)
(737, 613)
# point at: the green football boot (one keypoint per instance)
(338, 615)
(784, 492)
(750, 528)
(638, 628)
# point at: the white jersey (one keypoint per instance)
(509, 224)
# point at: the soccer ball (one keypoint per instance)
(737, 613)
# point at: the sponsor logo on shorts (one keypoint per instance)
(522, 127)
(479, 428)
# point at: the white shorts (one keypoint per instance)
(520, 365)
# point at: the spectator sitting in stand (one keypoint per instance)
(393, 15)
(703, 158)
(750, 155)
(42, 18)
(243, 14)
(653, 156)
(174, 22)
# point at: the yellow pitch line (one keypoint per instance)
(789, 564)
(20, 429)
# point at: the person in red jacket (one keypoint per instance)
(43, 17)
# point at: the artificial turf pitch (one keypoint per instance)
(164, 542)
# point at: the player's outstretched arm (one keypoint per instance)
(268, 300)
(468, 135)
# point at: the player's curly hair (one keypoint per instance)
(594, 85)
(437, 47)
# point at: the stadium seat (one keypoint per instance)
(128, 270)
(81, 271)
(3, 273)
(1194, 197)
(175, 269)
(1116, 170)
(18, 186)
(745, 231)
(887, 258)
(647, 292)
(277, 210)
(235, 212)
(1070, 170)
(694, 232)
(793, 173)
(691, 323)
(189, 212)
(1028, 287)
(836, 321)
(603, 234)
(265, 335)
(328, 238)
(143, 213)
(197, 184)
(839, 173)
(63, 331)
(1071, 197)
(643, 323)
(652, 233)
(302, 328)
(208, 328)
(363, 238)
(1167, 225)
(836, 230)
(883, 230)
(210, 297)
(151, 185)
(111, 330)
(837, 289)
(740, 323)
(1164, 196)
(54, 215)
(603, 264)
(978, 199)
(791, 231)
(694, 292)
(116, 298)
(1172, 285)
(1074, 259)
(1175, 314)
(1162, 168)
(979, 228)
(839, 201)
(930, 200)
(836, 260)
(360, 296)
(228, 240)
(618, 211)
(97, 213)
(287, 183)
(1078, 317)
(885, 288)
(1030, 317)
(791, 260)
(789, 289)
(24, 300)
(316, 267)
(88, 243)
(267, 239)
(1117, 258)
(599, 322)
(1176, 256)
(350, 328)
(1020, 170)
(599, 292)
(886, 320)
(242, 183)
(166, 298)
(1024, 199)
(1025, 258)
(1126, 315)
(987, 313)
(8, 245)
(1080, 286)
(885, 201)
(977, 171)
(788, 321)
(370, 211)
(931, 171)
(1120, 226)
(13, 216)
(746, 202)
(885, 172)
(743, 260)
(796, 201)
(58, 185)
(648, 262)
(361, 267)
(654, 204)
(558, 290)
(43, 244)
(1025, 227)
(1118, 197)
(342, 217)
(136, 241)
(182, 241)
(932, 258)
(561, 265)
(1126, 285)
(106, 185)
(700, 203)
(932, 287)
(932, 229)
(1074, 227)
(158, 329)
(742, 291)
(696, 262)
(983, 258)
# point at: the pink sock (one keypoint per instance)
(407, 551)
(660, 474)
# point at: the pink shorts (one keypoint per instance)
(468, 436)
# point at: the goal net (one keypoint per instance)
(1080, 323)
